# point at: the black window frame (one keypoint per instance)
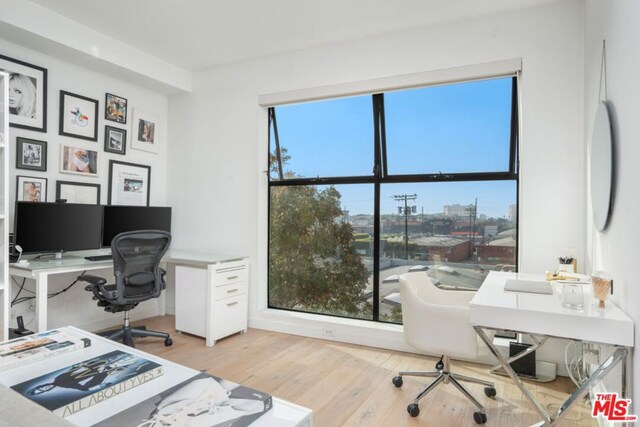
(380, 176)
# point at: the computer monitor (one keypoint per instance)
(57, 227)
(118, 219)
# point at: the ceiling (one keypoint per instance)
(201, 34)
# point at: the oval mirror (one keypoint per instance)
(601, 167)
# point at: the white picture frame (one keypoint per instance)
(145, 133)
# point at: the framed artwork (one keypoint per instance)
(27, 94)
(78, 160)
(115, 140)
(115, 108)
(129, 184)
(145, 131)
(78, 116)
(78, 192)
(31, 154)
(31, 189)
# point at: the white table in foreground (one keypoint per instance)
(543, 316)
(283, 413)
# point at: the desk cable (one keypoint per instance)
(17, 300)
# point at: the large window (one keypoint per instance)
(366, 188)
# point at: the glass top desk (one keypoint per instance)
(74, 262)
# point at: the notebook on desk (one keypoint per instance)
(528, 286)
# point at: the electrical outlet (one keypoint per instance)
(328, 332)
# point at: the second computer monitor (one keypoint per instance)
(118, 219)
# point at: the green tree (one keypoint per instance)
(313, 265)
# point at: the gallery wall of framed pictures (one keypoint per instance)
(109, 136)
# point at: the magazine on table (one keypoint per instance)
(87, 383)
(203, 401)
(31, 348)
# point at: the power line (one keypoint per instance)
(407, 212)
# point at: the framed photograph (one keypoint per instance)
(115, 140)
(78, 160)
(115, 108)
(27, 94)
(129, 184)
(78, 116)
(31, 189)
(145, 131)
(31, 154)
(78, 192)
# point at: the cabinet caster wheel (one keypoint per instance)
(397, 381)
(490, 391)
(413, 410)
(479, 417)
(168, 342)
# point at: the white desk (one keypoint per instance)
(283, 413)
(40, 270)
(543, 316)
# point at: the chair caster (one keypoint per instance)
(440, 365)
(479, 417)
(413, 410)
(490, 391)
(168, 342)
(397, 381)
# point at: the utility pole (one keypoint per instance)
(407, 211)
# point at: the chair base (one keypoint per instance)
(127, 333)
(444, 375)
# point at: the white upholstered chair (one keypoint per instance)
(436, 321)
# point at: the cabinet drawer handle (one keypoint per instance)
(232, 303)
(232, 277)
(232, 290)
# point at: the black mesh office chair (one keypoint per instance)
(138, 276)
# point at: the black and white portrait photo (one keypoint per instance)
(31, 154)
(27, 94)
(115, 140)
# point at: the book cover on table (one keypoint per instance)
(31, 348)
(202, 400)
(87, 383)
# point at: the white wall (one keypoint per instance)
(218, 188)
(614, 250)
(75, 306)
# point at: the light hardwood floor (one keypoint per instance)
(350, 385)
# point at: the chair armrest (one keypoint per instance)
(94, 280)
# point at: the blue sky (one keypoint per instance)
(453, 128)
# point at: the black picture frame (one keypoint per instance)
(133, 172)
(108, 138)
(72, 116)
(28, 160)
(60, 195)
(37, 76)
(44, 182)
(113, 107)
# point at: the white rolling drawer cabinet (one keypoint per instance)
(212, 302)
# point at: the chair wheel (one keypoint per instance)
(413, 410)
(479, 417)
(397, 381)
(168, 342)
(490, 391)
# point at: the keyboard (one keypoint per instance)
(99, 257)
